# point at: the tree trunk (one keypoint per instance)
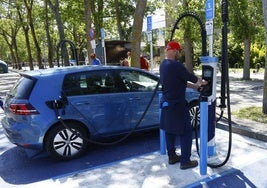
(15, 47)
(27, 39)
(88, 23)
(28, 5)
(188, 54)
(28, 46)
(264, 101)
(188, 49)
(12, 55)
(48, 38)
(118, 16)
(246, 69)
(97, 8)
(55, 10)
(137, 32)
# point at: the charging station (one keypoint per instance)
(208, 94)
(207, 111)
(209, 70)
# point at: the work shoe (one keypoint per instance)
(174, 159)
(190, 164)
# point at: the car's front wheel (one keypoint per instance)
(66, 143)
(194, 111)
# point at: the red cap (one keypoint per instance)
(92, 55)
(173, 45)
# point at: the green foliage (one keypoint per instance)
(126, 12)
(146, 49)
(257, 56)
(245, 20)
(235, 53)
(253, 113)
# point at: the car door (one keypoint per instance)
(141, 86)
(102, 100)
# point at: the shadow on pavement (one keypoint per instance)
(230, 178)
(16, 168)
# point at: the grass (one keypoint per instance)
(253, 113)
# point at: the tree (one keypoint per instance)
(119, 19)
(9, 29)
(29, 9)
(97, 8)
(48, 36)
(124, 14)
(55, 9)
(243, 20)
(137, 32)
(88, 23)
(25, 27)
(264, 108)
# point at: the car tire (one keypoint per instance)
(194, 111)
(63, 144)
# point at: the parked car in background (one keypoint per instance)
(1, 103)
(3, 67)
(94, 102)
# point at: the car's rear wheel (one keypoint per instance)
(65, 144)
(194, 111)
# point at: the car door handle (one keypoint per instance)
(82, 103)
(134, 98)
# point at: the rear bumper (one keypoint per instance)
(22, 134)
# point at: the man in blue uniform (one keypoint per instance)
(95, 60)
(175, 117)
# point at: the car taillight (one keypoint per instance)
(23, 109)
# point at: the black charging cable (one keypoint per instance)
(58, 104)
(230, 133)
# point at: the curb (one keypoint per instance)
(245, 127)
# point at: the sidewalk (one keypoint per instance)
(245, 168)
(244, 94)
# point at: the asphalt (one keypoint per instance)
(245, 167)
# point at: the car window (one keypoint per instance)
(136, 81)
(88, 83)
(22, 88)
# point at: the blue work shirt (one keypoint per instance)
(173, 77)
(96, 61)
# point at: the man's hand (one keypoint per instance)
(200, 83)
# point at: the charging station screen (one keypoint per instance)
(207, 73)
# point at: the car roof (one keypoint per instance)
(2, 62)
(73, 69)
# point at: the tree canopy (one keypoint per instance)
(31, 30)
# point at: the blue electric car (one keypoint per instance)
(94, 103)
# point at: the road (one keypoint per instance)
(7, 81)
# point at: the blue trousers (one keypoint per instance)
(185, 142)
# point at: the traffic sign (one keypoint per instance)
(102, 31)
(209, 27)
(149, 36)
(149, 23)
(209, 9)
